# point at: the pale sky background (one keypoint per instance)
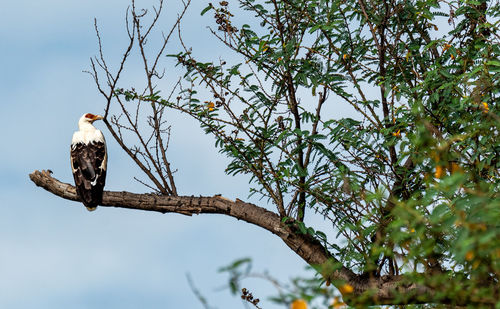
(54, 254)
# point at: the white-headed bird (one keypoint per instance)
(88, 161)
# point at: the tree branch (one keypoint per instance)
(305, 246)
(375, 290)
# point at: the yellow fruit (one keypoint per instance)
(485, 107)
(346, 289)
(298, 304)
(469, 255)
(439, 172)
(210, 105)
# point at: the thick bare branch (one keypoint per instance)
(382, 290)
(307, 247)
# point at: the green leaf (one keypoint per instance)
(209, 7)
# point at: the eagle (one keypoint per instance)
(89, 160)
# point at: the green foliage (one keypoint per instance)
(411, 181)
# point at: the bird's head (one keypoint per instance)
(86, 121)
(90, 118)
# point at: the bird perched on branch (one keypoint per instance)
(88, 161)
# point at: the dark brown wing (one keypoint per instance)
(88, 162)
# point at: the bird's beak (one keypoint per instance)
(98, 117)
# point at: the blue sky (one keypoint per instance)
(54, 253)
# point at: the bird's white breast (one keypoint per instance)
(87, 136)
